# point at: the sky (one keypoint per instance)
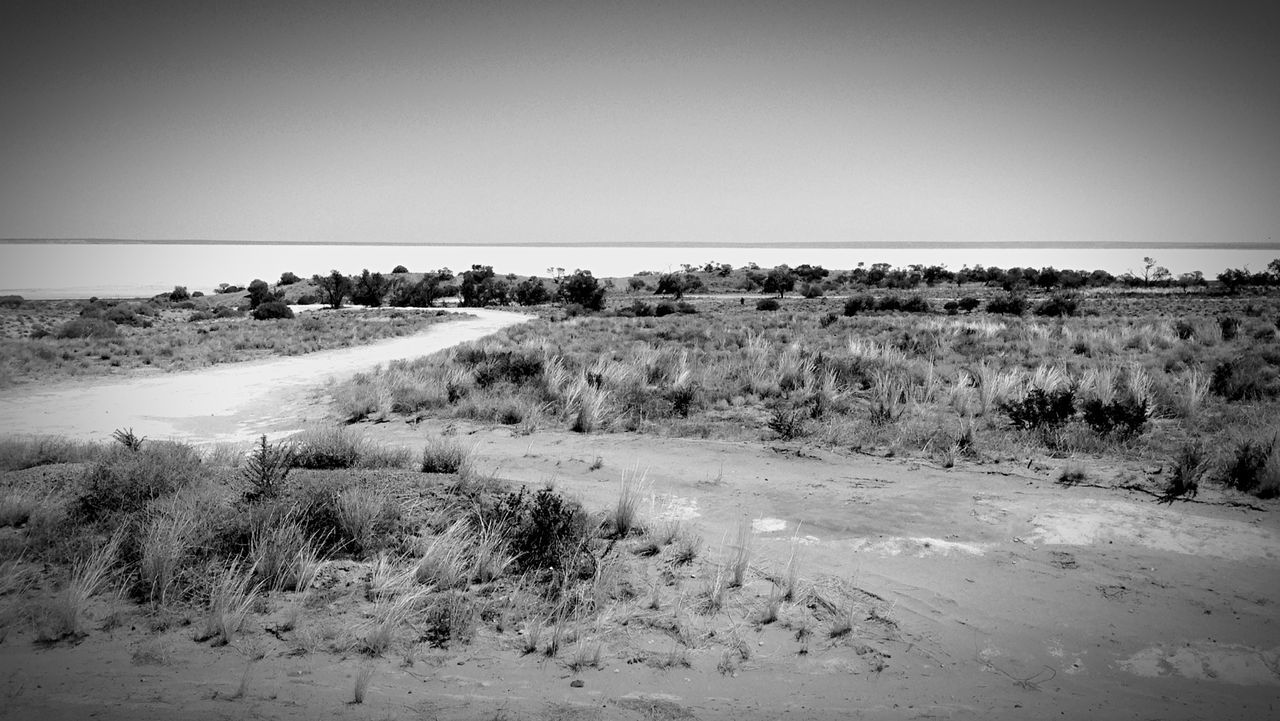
(660, 122)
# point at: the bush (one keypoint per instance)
(1040, 409)
(1248, 377)
(1008, 304)
(547, 531)
(10, 301)
(889, 303)
(640, 309)
(1230, 326)
(308, 299)
(768, 304)
(968, 304)
(399, 269)
(664, 308)
(179, 294)
(272, 310)
(583, 289)
(811, 290)
(86, 328)
(915, 304)
(857, 303)
(328, 449)
(1059, 305)
(1253, 467)
(127, 315)
(125, 480)
(1122, 418)
(443, 455)
(288, 278)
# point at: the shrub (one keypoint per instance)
(664, 308)
(86, 328)
(11, 301)
(179, 294)
(968, 304)
(951, 307)
(125, 480)
(547, 531)
(266, 469)
(1059, 305)
(1253, 466)
(1123, 418)
(1008, 304)
(399, 269)
(1188, 469)
(444, 455)
(915, 304)
(581, 288)
(288, 278)
(1230, 326)
(272, 310)
(857, 303)
(308, 299)
(811, 290)
(328, 449)
(1041, 409)
(1248, 377)
(768, 304)
(889, 303)
(641, 309)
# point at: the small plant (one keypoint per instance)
(67, 616)
(1188, 470)
(444, 455)
(1121, 418)
(740, 552)
(359, 511)
(1072, 474)
(231, 595)
(127, 438)
(789, 423)
(266, 469)
(15, 509)
(1253, 466)
(363, 677)
(328, 449)
(625, 518)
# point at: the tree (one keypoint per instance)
(780, 280)
(423, 294)
(1192, 279)
(531, 291)
(677, 284)
(636, 284)
(288, 278)
(179, 294)
(480, 287)
(583, 289)
(259, 293)
(399, 269)
(1147, 264)
(334, 288)
(810, 273)
(370, 289)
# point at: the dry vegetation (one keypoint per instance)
(1136, 375)
(45, 340)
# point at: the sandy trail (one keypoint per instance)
(230, 402)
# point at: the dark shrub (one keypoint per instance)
(547, 532)
(1122, 418)
(1230, 326)
(641, 309)
(968, 304)
(666, 307)
(1184, 329)
(858, 303)
(1188, 469)
(1059, 305)
(889, 303)
(532, 291)
(200, 315)
(583, 289)
(951, 307)
(684, 308)
(789, 423)
(127, 315)
(125, 480)
(513, 366)
(272, 310)
(86, 328)
(10, 301)
(1248, 377)
(1008, 304)
(1250, 468)
(768, 304)
(288, 278)
(915, 304)
(1041, 409)
(399, 269)
(308, 299)
(683, 399)
(179, 294)
(811, 290)
(226, 311)
(198, 294)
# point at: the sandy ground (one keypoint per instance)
(224, 403)
(998, 593)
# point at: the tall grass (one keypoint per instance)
(232, 594)
(67, 615)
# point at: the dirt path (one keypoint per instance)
(223, 403)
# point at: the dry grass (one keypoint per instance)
(232, 594)
(67, 615)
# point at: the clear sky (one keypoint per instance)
(712, 122)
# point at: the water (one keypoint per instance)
(81, 270)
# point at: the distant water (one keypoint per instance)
(81, 270)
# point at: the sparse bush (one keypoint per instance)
(664, 308)
(266, 469)
(855, 304)
(1188, 469)
(768, 304)
(1230, 326)
(789, 422)
(272, 310)
(547, 531)
(328, 449)
(179, 294)
(915, 304)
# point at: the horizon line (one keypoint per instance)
(826, 245)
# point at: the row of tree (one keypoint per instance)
(476, 288)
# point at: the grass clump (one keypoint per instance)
(1253, 466)
(445, 455)
(20, 453)
(67, 615)
(232, 594)
(125, 481)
